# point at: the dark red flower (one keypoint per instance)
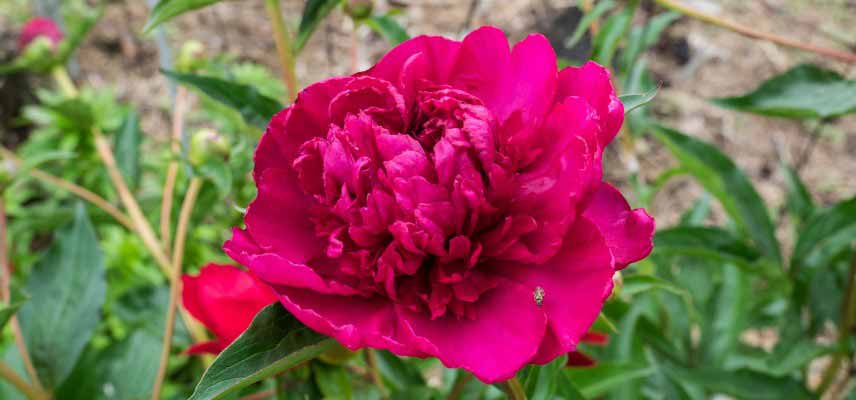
(39, 27)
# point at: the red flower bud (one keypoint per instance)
(39, 27)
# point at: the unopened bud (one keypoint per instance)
(206, 145)
(359, 9)
(191, 57)
(39, 28)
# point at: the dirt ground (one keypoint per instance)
(694, 61)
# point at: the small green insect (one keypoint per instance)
(539, 295)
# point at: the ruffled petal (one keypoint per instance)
(575, 284)
(436, 58)
(628, 233)
(502, 338)
(592, 82)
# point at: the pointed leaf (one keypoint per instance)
(388, 27)
(540, 381)
(799, 202)
(8, 310)
(169, 9)
(805, 91)
(313, 13)
(256, 108)
(827, 232)
(634, 101)
(600, 379)
(67, 287)
(127, 148)
(396, 372)
(719, 176)
(274, 342)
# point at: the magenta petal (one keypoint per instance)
(354, 321)
(437, 56)
(533, 80)
(575, 283)
(592, 82)
(277, 271)
(483, 67)
(503, 337)
(209, 347)
(628, 233)
(278, 219)
(307, 118)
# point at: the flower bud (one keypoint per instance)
(205, 145)
(39, 28)
(337, 355)
(191, 57)
(359, 9)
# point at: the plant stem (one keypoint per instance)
(172, 169)
(514, 389)
(175, 285)
(6, 267)
(371, 361)
(84, 194)
(141, 225)
(848, 315)
(283, 46)
(63, 81)
(752, 33)
(460, 383)
(22, 385)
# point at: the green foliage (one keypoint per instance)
(805, 91)
(166, 10)
(387, 27)
(313, 13)
(273, 343)
(67, 288)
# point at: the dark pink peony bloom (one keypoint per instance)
(36, 27)
(225, 299)
(447, 202)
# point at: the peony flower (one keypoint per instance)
(225, 299)
(447, 202)
(39, 27)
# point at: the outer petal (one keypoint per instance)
(354, 321)
(628, 233)
(503, 337)
(575, 282)
(591, 82)
(308, 117)
(209, 347)
(484, 68)
(437, 55)
(278, 219)
(532, 81)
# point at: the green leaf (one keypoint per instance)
(613, 30)
(566, 390)
(743, 384)
(169, 9)
(731, 316)
(274, 342)
(333, 381)
(719, 176)
(313, 13)
(396, 372)
(540, 381)
(828, 231)
(799, 202)
(706, 242)
(602, 7)
(67, 287)
(639, 283)
(8, 310)
(600, 379)
(387, 27)
(634, 101)
(256, 108)
(805, 91)
(127, 148)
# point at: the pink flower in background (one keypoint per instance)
(448, 202)
(578, 359)
(225, 299)
(39, 27)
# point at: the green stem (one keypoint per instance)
(513, 389)
(460, 383)
(63, 81)
(752, 33)
(31, 392)
(371, 361)
(848, 315)
(283, 46)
